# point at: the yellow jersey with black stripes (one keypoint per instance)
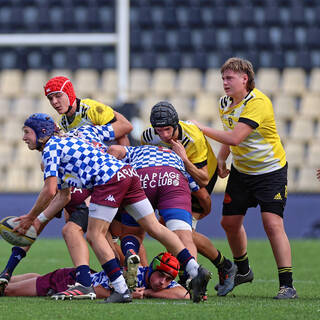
(197, 147)
(261, 151)
(88, 112)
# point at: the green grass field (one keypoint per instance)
(248, 301)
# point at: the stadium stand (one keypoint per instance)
(176, 50)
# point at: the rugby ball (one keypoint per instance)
(7, 224)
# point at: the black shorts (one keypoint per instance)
(195, 202)
(243, 191)
(80, 216)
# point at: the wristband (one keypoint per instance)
(42, 218)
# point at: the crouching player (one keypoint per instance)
(154, 281)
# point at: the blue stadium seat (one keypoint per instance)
(5, 22)
(209, 39)
(288, 38)
(149, 60)
(272, 16)
(214, 16)
(145, 17)
(69, 24)
(184, 39)
(237, 38)
(159, 42)
(312, 38)
(174, 59)
(263, 40)
(199, 60)
(8, 58)
(170, 17)
(297, 17)
(194, 17)
(246, 13)
(16, 18)
(135, 40)
(59, 58)
(303, 60)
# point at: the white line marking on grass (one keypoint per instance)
(294, 280)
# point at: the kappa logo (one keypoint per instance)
(277, 196)
(111, 198)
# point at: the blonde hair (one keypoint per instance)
(240, 65)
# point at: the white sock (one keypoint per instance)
(192, 268)
(120, 285)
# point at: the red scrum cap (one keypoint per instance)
(60, 84)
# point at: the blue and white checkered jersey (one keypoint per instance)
(153, 156)
(99, 136)
(100, 278)
(77, 164)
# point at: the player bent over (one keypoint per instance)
(72, 162)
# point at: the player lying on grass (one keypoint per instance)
(73, 162)
(154, 281)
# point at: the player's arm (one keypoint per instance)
(204, 200)
(200, 175)
(46, 195)
(318, 174)
(178, 292)
(123, 127)
(223, 155)
(60, 200)
(101, 292)
(118, 152)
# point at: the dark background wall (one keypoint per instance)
(302, 218)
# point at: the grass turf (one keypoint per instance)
(248, 301)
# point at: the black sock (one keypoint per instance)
(221, 262)
(242, 263)
(285, 276)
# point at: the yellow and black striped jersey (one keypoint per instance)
(197, 147)
(261, 151)
(88, 112)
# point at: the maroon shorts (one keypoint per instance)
(57, 281)
(77, 197)
(123, 188)
(166, 187)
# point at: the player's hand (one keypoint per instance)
(223, 171)
(138, 293)
(179, 149)
(25, 223)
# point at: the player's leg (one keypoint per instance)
(24, 288)
(273, 225)
(142, 212)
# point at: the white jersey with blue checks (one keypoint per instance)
(77, 164)
(100, 278)
(99, 136)
(153, 156)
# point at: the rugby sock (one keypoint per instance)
(130, 242)
(112, 270)
(242, 263)
(16, 256)
(188, 262)
(285, 276)
(221, 262)
(83, 275)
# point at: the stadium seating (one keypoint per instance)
(176, 50)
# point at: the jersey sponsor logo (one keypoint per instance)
(110, 198)
(277, 196)
(71, 180)
(155, 179)
(128, 172)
